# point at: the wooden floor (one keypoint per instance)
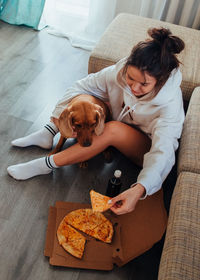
(35, 70)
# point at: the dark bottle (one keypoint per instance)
(114, 184)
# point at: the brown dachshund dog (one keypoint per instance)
(84, 116)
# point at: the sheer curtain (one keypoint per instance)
(82, 30)
(85, 31)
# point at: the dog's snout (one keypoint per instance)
(87, 143)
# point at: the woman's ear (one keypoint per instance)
(100, 116)
(65, 123)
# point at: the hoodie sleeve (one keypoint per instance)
(94, 84)
(160, 159)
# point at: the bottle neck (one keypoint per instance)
(116, 181)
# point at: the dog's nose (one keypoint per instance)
(87, 143)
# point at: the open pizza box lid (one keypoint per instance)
(134, 234)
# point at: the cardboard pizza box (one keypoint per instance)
(134, 234)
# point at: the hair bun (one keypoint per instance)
(166, 40)
(159, 34)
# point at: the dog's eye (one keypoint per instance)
(78, 125)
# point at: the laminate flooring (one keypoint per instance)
(35, 70)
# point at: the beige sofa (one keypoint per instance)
(181, 253)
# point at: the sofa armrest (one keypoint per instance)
(181, 252)
(189, 151)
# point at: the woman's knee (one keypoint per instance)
(113, 129)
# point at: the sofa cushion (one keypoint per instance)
(181, 253)
(189, 152)
(126, 30)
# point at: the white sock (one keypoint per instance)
(32, 168)
(42, 138)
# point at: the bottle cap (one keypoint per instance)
(117, 173)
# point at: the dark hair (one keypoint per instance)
(156, 56)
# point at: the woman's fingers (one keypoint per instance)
(125, 202)
(119, 210)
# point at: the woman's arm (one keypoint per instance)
(159, 161)
(156, 166)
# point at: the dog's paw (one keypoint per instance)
(108, 156)
(83, 164)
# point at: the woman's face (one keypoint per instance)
(140, 83)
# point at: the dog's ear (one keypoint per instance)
(65, 123)
(100, 117)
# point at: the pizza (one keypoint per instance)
(99, 201)
(71, 240)
(88, 221)
(84, 219)
(103, 232)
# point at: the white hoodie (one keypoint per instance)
(160, 117)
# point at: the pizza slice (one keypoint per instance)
(103, 232)
(84, 219)
(99, 201)
(92, 223)
(71, 240)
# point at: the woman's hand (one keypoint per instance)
(126, 201)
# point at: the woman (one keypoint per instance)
(144, 94)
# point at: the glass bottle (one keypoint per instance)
(114, 184)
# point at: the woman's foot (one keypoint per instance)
(42, 138)
(32, 168)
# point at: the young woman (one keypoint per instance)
(144, 94)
